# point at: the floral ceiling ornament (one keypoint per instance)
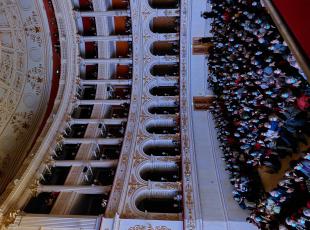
(33, 29)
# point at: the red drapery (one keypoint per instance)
(297, 16)
(56, 64)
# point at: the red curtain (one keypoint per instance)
(297, 16)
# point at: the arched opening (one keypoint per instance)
(164, 172)
(162, 126)
(164, 110)
(164, 25)
(164, 107)
(162, 148)
(164, 90)
(162, 48)
(160, 202)
(165, 70)
(164, 4)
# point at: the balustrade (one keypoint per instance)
(99, 150)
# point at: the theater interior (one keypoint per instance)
(154, 115)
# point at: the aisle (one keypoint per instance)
(219, 210)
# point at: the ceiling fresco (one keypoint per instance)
(25, 79)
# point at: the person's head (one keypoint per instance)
(282, 227)
(258, 21)
(254, 3)
(298, 167)
(306, 212)
(282, 199)
(285, 95)
(290, 80)
(259, 71)
(277, 71)
(261, 40)
(267, 125)
(281, 183)
(274, 193)
(258, 82)
(290, 222)
(267, 26)
(249, 220)
(290, 190)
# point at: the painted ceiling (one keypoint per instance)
(25, 80)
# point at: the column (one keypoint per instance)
(102, 102)
(110, 13)
(92, 61)
(166, 59)
(27, 220)
(167, 37)
(168, 12)
(91, 163)
(106, 81)
(81, 189)
(110, 38)
(112, 121)
(99, 141)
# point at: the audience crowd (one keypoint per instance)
(288, 205)
(261, 111)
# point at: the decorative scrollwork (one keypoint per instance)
(148, 227)
(5, 220)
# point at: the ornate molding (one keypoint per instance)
(9, 218)
(123, 201)
(56, 122)
(116, 202)
(148, 227)
(190, 184)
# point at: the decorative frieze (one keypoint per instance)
(148, 227)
